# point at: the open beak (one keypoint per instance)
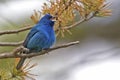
(53, 19)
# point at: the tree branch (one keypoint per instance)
(15, 31)
(15, 54)
(81, 21)
(11, 43)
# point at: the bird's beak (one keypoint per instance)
(53, 18)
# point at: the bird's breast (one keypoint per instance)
(49, 34)
(50, 38)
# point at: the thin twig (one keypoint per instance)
(15, 54)
(15, 31)
(81, 21)
(11, 43)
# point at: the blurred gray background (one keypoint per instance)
(95, 58)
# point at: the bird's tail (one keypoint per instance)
(20, 63)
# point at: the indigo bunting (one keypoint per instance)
(41, 36)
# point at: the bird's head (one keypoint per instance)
(47, 19)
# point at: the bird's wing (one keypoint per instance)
(37, 42)
(29, 36)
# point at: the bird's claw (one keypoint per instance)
(46, 50)
(25, 50)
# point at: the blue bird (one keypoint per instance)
(41, 37)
